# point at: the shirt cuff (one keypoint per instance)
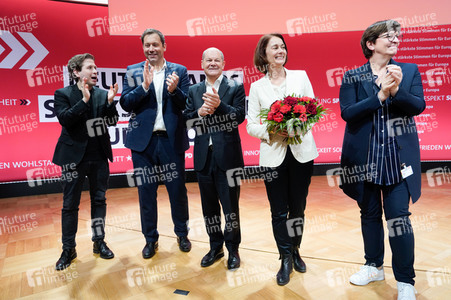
(145, 90)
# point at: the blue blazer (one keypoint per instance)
(143, 108)
(358, 103)
(229, 114)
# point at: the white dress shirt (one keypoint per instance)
(210, 87)
(158, 83)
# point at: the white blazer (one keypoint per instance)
(274, 149)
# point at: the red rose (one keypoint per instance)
(303, 117)
(275, 107)
(270, 116)
(278, 117)
(311, 108)
(299, 109)
(285, 109)
(291, 101)
(305, 99)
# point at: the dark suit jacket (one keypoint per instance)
(143, 107)
(358, 103)
(223, 125)
(73, 113)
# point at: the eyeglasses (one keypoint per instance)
(391, 36)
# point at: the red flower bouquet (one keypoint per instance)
(296, 115)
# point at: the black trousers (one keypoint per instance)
(396, 208)
(287, 195)
(72, 180)
(215, 191)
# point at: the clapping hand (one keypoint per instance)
(112, 92)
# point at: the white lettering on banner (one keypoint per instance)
(32, 163)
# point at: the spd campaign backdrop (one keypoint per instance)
(37, 38)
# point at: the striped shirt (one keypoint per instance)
(383, 151)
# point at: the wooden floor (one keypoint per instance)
(332, 249)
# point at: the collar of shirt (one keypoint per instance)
(215, 85)
(162, 69)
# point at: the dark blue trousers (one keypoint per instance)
(159, 162)
(396, 208)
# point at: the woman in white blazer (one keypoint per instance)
(287, 193)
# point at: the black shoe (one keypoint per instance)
(184, 243)
(283, 276)
(66, 258)
(298, 263)
(234, 260)
(149, 249)
(102, 248)
(211, 257)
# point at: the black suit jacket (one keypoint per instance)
(221, 127)
(73, 114)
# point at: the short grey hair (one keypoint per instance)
(212, 48)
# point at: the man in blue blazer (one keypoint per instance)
(381, 157)
(83, 150)
(155, 93)
(215, 108)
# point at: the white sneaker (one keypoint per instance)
(406, 291)
(366, 275)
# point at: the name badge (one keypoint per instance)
(406, 171)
